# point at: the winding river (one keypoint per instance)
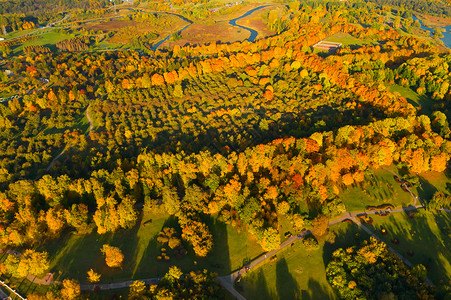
(446, 33)
(253, 32)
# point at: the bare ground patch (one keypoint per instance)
(208, 33)
(113, 25)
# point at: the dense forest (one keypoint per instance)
(28, 6)
(372, 272)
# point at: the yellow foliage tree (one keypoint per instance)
(113, 256)
(93, 276)
(70, 290)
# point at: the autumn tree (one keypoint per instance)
(33, 262)
(320, 225)
(198, 234)
(137, 290)
(170, 236)
(93, 276)
(71, 289)
(113, 256)
(271, 239)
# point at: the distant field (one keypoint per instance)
(73, 255)
(218, 28)
(427, 234)
(298, 273)
(382, 189)
(13, 34)
(348, 40)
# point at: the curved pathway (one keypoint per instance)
(415, 198)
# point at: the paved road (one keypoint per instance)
(3, 295)
(116, 285)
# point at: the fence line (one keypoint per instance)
(12, 290)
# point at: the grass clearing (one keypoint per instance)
(432, 182)
(423, 102)
(73, 255)
(381, 188)
(298, 273)
(348, 40)
(427, 234)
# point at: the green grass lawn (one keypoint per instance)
(428, 235)
(432, 182)
(298, 273)
(48, 39)
(73, 255)
(413, 98)
(382, 189)
(13, 34)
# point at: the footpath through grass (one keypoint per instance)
(298, 273)
(73, 255)
(427, 234)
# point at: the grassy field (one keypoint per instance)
(73, 255)
(298, 273)
(427, 234)
(413, 98)
(377, 190)
(48, 39)
(17, 33)
(348, 40)
(432, 182)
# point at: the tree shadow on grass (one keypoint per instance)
(287, 287)
(147, 264)
(256, 287)
(426, 190)
(73, 255)
(418, 240)
(219, 259)
(316, 291)
(350, 235)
